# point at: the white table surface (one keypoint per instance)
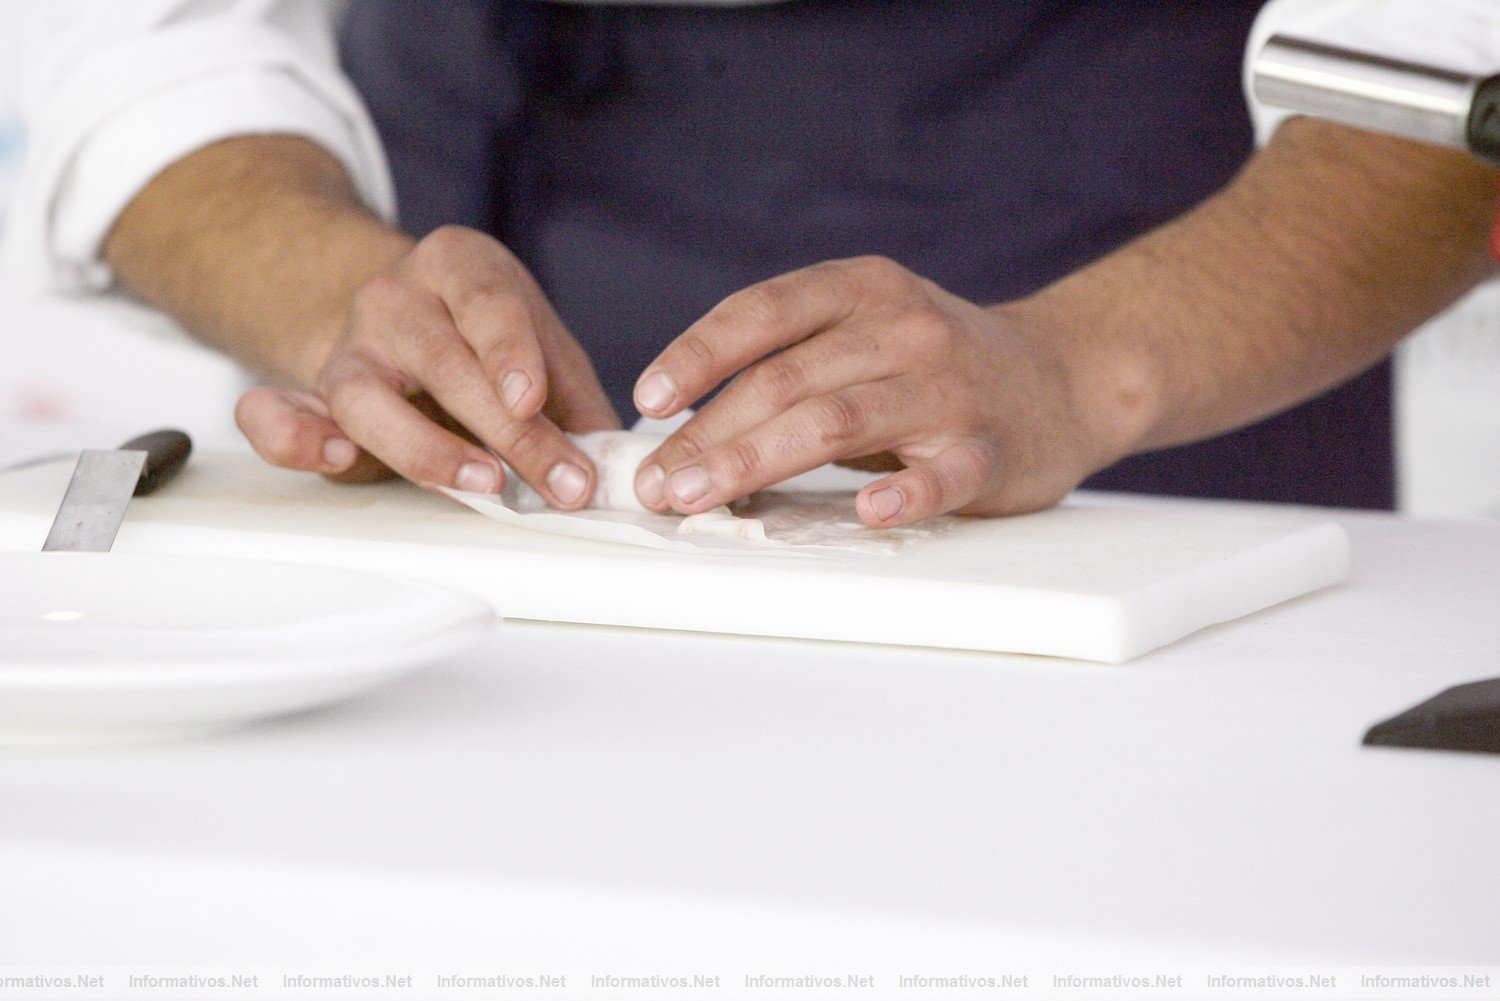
(602, 799)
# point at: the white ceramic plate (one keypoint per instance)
(110, 646)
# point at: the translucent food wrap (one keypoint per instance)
(811, 516)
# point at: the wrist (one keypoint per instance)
(1111, 386)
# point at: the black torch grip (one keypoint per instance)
(1484, 121)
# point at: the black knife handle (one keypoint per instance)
(1484, 121)
(166, 452)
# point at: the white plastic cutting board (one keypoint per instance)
(1097, 579)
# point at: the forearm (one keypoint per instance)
(1328, 248)
(256, 246)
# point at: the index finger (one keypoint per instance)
(521, 343)
(494, 307)
(744, 328)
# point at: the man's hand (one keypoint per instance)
(393, 355)
(455, 333)
(1329, 247)
(855, 359)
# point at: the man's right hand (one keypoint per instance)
(455, 336)
(422, 358)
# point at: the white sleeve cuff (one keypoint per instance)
(133, 147)
(1460, 35)
(135, 108)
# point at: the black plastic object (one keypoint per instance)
(166, 452)
(1462, 718)
(1484, 121)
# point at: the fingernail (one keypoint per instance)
(339, 453)
(650, 485)
(655, 392)
(689, 483)
(886, 503)
(513, 387)
(477, 478)
(567, 482)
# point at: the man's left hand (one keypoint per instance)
(980, 410)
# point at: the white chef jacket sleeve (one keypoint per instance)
(1461, 35)
(111, 93)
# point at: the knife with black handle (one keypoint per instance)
(103, 483)
(166, 452)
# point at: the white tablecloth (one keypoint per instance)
(589, 800)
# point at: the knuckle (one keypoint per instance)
(780, 380)
(697, 347)
(510, 339)
(426, 460)
(491, 292)
(383, 292)
(444, 365)
(878, 269)
(527, 438)
(928, 487)
(342, 395)
(760, 305)
(832, 270)
(445, 240)
(928, 330)
(740, 461)
(688, 443)
(839, 418)
(973, 462)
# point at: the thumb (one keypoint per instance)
(944, 482)
(295, 431)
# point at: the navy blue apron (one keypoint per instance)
(646, 161)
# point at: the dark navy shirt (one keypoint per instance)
(647, 161)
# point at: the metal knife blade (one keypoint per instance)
(94, 505)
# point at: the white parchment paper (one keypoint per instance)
(814, 516)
